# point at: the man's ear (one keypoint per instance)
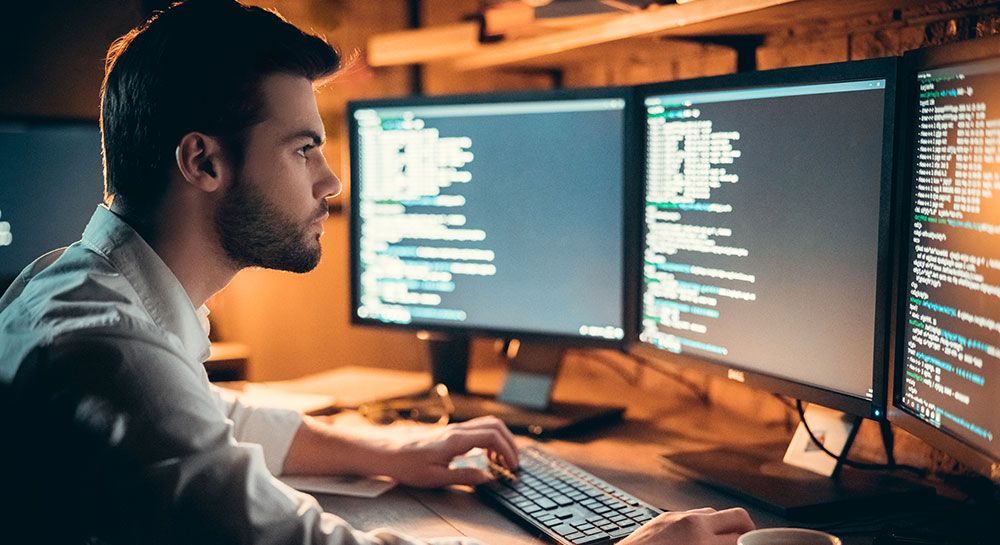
(201, 161)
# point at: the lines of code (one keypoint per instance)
(403, 210)
(761, 229)
(687, 160)
(952, 363)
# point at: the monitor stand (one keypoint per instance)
(524, 402)
(758, 474)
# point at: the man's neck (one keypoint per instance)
(189, 249)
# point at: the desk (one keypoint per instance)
(457, 511)
(659, 417)
(664, 414)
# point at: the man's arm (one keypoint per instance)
(162, 458)
(420, 460)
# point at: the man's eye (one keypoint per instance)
(305, 149)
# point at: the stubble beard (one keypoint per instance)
(254, 232)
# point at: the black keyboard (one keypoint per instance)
(565, 502)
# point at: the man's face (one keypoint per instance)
(272, 213)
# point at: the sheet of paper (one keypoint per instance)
(361, 487)
(354, 386)
(831, 429)
(263, 395)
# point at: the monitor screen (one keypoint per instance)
(947, 367)
(766, 228)
(494, 213)
(51, 180)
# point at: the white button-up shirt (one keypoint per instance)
(206, 459)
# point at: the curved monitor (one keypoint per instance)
(946, 369)
(766, 232)
(499, 214)
(51, 180)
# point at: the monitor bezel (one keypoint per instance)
(922, 59)
(31, 120)
(629, 187)
(881, 68)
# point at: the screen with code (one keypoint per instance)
(950, 373)
(762, 229)
(503, 216)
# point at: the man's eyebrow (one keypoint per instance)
(317, 138)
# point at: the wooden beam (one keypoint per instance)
(623, 26)
(423, 44)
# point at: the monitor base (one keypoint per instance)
(758, 475)
(560, 418)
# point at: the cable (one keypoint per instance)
(843, 457)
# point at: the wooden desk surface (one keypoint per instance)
(665, 413)
(660, 417)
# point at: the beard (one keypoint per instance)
(254, 232)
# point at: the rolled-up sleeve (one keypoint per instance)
(271, 428)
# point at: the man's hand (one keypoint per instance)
(424, 461)
(696, 527)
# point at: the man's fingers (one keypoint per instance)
(702, 510)
(731, 521)
(498, 424)
(461, 441)
(492, 423)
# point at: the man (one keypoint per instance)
(213, 163)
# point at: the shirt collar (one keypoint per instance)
(160, 293)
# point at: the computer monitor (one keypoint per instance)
(499, 215)
(766, 242)
(946, 369)
(766, 229)
(51, 180)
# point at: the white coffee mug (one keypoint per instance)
(787, 536)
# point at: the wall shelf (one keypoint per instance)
(548, 42)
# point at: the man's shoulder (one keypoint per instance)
(80, 284)
(77, 296)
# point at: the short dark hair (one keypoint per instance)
(196, 66)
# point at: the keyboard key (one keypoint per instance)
(531, 509)
(622, 532)
(635, 513)
(562, 501)
(585, 540)
(574, 536)
(564, 514)
(545, 503)
(563, 529)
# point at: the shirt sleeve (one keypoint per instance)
(271, 428)
(159, 462)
